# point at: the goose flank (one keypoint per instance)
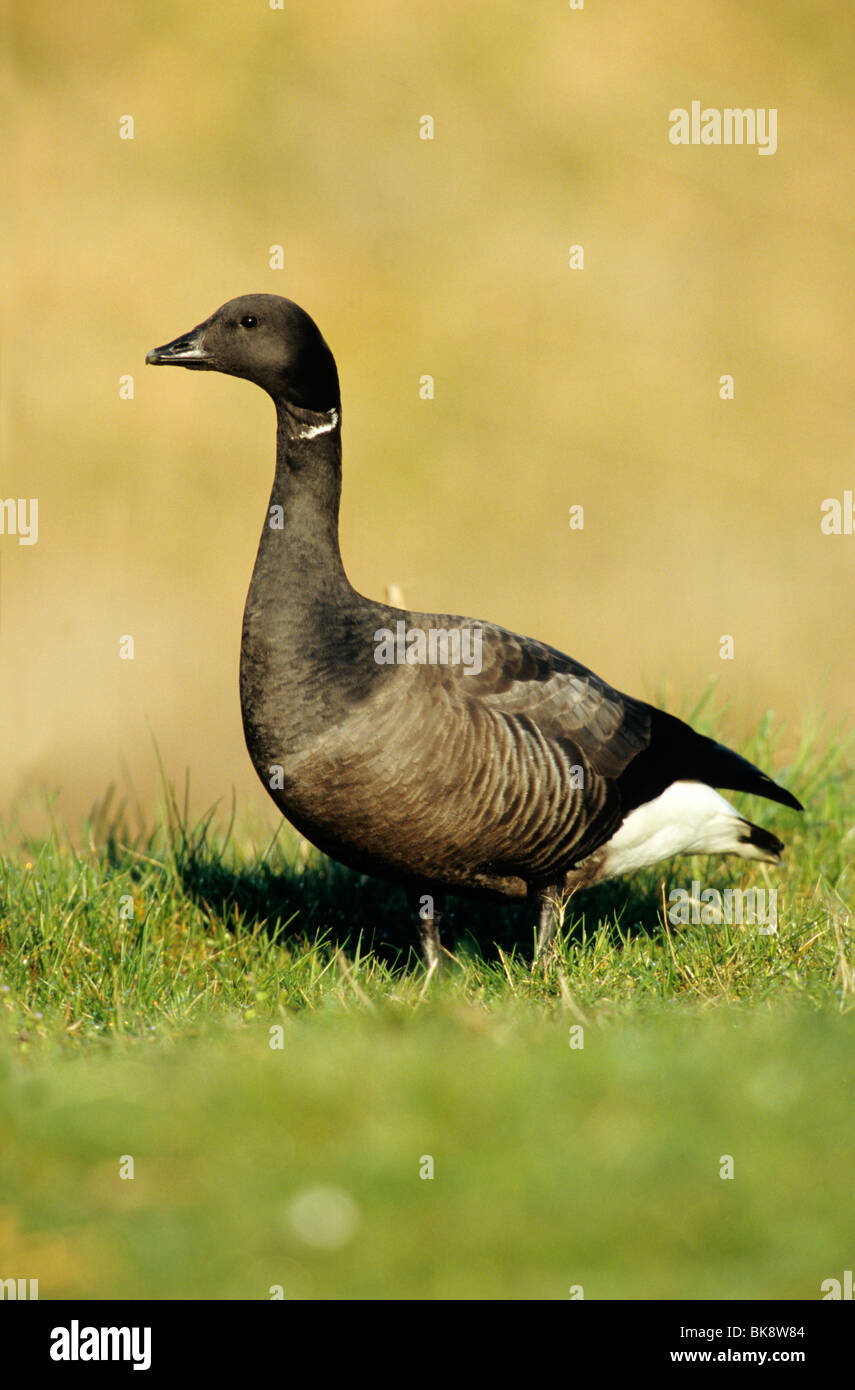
(527, 777)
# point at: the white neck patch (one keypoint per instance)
(312, 430)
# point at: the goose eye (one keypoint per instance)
(249, 321)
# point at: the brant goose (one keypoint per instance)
(438, 752)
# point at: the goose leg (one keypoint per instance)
(551, 905)
(430, 943)
(428, 910)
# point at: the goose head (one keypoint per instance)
(265, 339)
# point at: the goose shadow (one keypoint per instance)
(355, 912)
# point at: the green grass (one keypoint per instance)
(553, 1166)
(141, 973)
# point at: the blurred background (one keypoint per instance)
(554, 387)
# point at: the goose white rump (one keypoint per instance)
(687, 818)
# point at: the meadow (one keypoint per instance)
(221, 1074)
(250, 1026)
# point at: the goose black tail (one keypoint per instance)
(770, 847)
(676, 753)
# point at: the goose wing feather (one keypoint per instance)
(513, 769)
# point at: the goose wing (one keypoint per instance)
(543, 759)
(526, 753)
